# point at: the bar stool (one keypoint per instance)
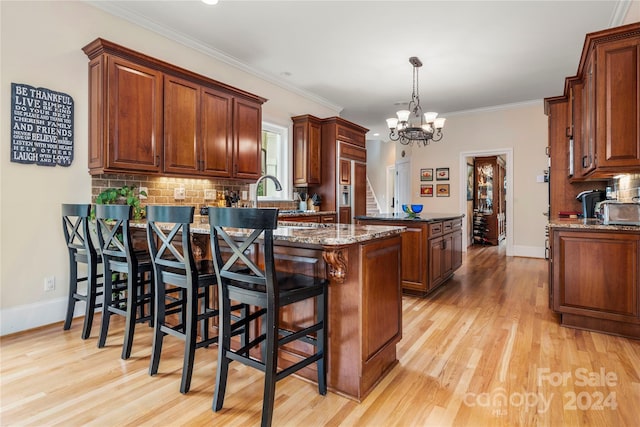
(131, 297)
(75, 224)
(269, 291)
(168, 235)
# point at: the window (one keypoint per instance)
(275, 156)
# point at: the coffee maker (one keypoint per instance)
(589, 199)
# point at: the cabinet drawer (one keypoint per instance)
(435, 229)
(453, 224)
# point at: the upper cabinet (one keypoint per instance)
(603, 126)
(125, 116)
(148, 116)
(307, 142)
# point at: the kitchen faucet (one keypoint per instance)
(254, 199)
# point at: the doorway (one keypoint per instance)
(507, 154)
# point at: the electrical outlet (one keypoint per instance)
(146, 191)
(49, 283)
(178, 193)
(210, 194)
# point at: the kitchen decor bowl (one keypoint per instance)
(416, 209)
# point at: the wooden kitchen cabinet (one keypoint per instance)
(595, 279)
(431, 251)
(149, 116)
(125, 116)
(445, 251)
(307, 143)
(604, 112)
(343, 161)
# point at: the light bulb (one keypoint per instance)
(392, 123)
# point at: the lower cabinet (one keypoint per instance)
(445, 253)
(595, 280)
(431, 252)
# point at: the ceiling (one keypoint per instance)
(354, 55)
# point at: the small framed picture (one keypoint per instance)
(426, 174)
(426, 190)
(442, 190)
(442, 174)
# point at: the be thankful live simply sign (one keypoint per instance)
(41, 126)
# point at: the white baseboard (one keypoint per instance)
(528, 251)
(29, 316)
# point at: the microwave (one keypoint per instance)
(619, 213)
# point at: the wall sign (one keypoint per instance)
(41, 126)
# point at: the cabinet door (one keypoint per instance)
(587, 146)
(306, 152)
(344, 215)
(345, 172)
(359, 189)
(596, 274)
(181, 123)
(576, 125)
(435, 262)
(456, 249)
(447, 254)
(618, 114)
(216, 133)
(413, 258)
(247, 141)
(134, 117)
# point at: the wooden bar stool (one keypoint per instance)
(176, 268)
(75, 224)
(130, 296)
(263, 288)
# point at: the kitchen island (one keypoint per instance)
(594, 275)
(431, 247)
(362, 263)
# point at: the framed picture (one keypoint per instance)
(426, 190)
(442, 190)
(426, 174)
(442, 174)
(469, 181)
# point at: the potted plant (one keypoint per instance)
(123, 195)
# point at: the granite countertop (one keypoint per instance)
(311, 233)
(423, 217)
(590, 224)
(288, 213)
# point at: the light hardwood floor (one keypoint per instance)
(485, 350)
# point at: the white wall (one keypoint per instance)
(380, 155)
(41, 46)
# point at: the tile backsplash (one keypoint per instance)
(627, 188)
(160, 190)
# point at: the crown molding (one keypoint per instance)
(113, 9)
(619, 12)
(495, 108)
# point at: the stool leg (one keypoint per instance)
(271, 361)
(224, 345)
(73, 288)
(132, 307)
(321, 343)
(107, 294)
(191, 332)
(204, 323)
(92, 284)
(158, 322)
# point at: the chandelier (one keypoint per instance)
(412, 125)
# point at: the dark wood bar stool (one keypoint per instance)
(130, 296)
(176, 268)
(263, 288)
(75, 224)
